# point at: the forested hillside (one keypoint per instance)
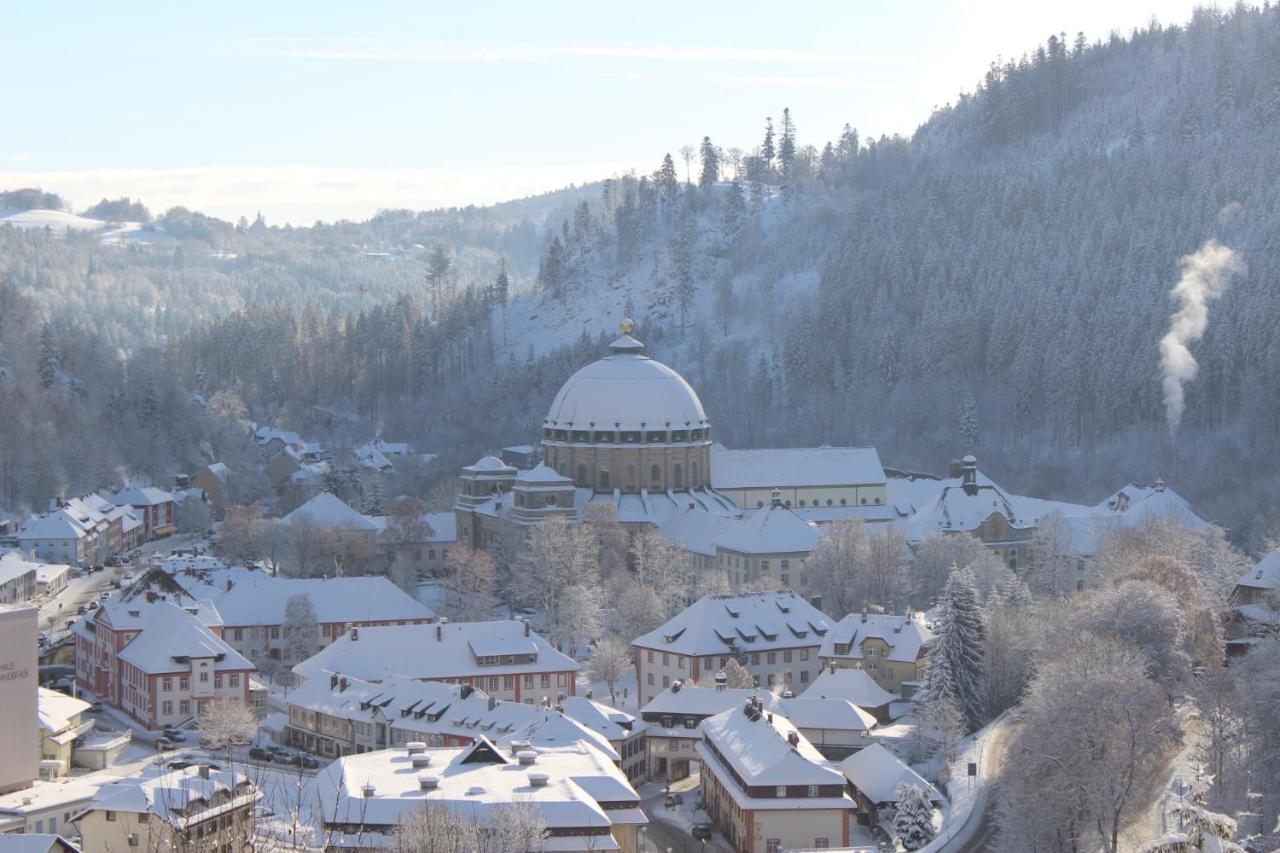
(997, 284)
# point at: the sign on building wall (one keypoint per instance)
(19, 736)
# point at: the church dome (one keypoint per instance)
(629, 391)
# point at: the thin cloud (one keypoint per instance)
(809, 81)
(432, 51)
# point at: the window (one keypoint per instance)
(167, 708)
(559, 679)
(184, 707)
(764, 567)
(804, 676)
(680, 661)
(666, 659)
(770, 679)
(677, 476)
(813, 790)
(773, 845)
(204, 676)
(772, 658)
(111, 817)
(666, 681)
(821, 843)
(582, 475)
(184, 683)
(239, 634)
(234, 679)
(651, 679)
(508, 682)
(217, 682)
(786, 656)
(528, 681)
(650, 657)
(804, 654)
(655, 474)
(275, 632)
(546, 679)
(166, 684)
(781, 791)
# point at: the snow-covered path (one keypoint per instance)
(970, 824)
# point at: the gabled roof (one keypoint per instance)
(31, 843)
(692, 701)
(905, 635)
(756, 746)
(811, 712)
(851, 684)
(55, 525)
(434, 651)
(953, 509)
(328, 509)
(759, 621)
(795, 466)
(141, 496)
(877, 772)
(168, 795)
(774, 529)
(12, 566)
(1264, 575)
(249, 597)
(169, 632)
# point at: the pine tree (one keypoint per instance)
(912, 817)
(667, 180)
(438, 269)
(501, 291)
(787, 144)
(710, 164)
(374, 499)
(968, 421)
(50, 358)
(1189, 126)
(955, 667)
(682, 246)
(551, 269)
(724, 302)
(735, 213)
(767, 152)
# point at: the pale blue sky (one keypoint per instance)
(319, 110)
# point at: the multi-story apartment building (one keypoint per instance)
(776, 636)
(155, 506)
(197, 808)
(158, 657)
(892, 649)
(504, 658)
(767, 788)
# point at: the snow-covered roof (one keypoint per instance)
(141, 496)
(218, 470)
(542, 474)
(812, 712)
(435, 651)
(129, 610)
(692, 701)
(12, 567)
(32, 843)
(635, 508)
(168, 796)
(444, 526)
(248, 597)
(851, 684)
(905, 635)
(626, 390)
(1264, 575)
(955, 509)
(795, 466)
(490, 465)
(610, 722)
(481, 778)
(264, 435)
(877, 772)
(772, 530)
(55, 710)
(367, 457)
(696, 530)
(169, 632)
(327, 508)
(755, 744)
(59, 524)
(1138, 503)
(752, 622)
(46, 572)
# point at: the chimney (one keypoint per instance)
(342, 684)
(526, 627)
(415, 747)
(493, 703)
(439, 633)
(721, 680)
(787, 694)
(518, 746)
(151, 597)
(538, 780)
(204, 771)
(465, 691)
(588, 694)
(527, 757)
(969, 474)
(816, 601)
(793, 738)
(770, 718)
(864, 614)
(333, 680)
(954, 470)
(420, 761)
(676, 685)
(368, 790)
(428, 782)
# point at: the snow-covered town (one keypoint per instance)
(628, 636)
(562, 427)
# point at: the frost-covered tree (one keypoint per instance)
(710, 156)
(467, 581)
(226, 723)
(912, 816)
(610, 662)
(301, 628)
(558, 555)
(955, 669)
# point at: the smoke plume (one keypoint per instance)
(1204, 277)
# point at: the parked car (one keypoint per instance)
(95, 706)
(128, 577)
(310, 763)
(112, 561)
(43, 638)
(92, 605)
(672, 800)
(257, 753)
(702, 832)
(105, 594)
(180, 764)
(175, 735)
(81, 610)
(70, 624)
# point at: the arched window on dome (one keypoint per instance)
(677, 476)
(582, 476)
(655, 476)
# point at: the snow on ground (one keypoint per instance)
(59, 221)
(968, 797)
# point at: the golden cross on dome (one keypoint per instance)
(627, 326)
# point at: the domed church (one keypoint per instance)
(629, 431)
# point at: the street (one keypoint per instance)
(985, 834)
